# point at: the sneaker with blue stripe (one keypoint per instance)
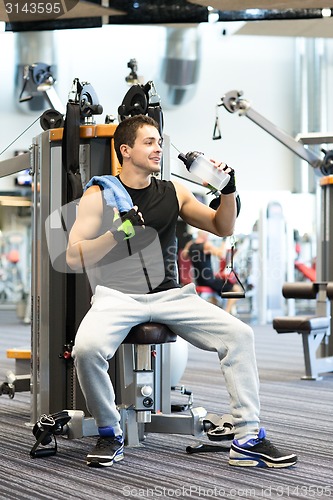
(108, 449)
(259, 452)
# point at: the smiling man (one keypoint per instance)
(116, 247)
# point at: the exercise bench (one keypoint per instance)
(315, 329)
(19, 380)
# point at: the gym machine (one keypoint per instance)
(51, 188)
(314, 329)
(141, 368)
(61, 297)
(318, 355)
(63, 160)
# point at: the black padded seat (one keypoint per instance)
(300, 290)
(300, 324)
(150, 333)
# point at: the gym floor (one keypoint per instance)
(297, 415)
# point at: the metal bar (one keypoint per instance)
(34, 410)
(54, 100)
(14, 165)
(298, 148)
(233, 101)
(315, 138)
(166, 165)
(174, 424)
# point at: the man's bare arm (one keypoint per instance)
(220, 222)
(85, 246)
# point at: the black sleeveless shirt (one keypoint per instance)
(159, 206)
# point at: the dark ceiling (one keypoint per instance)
(145, 12)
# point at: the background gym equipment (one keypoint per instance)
(315, 329)
(38, 80)
(323, 168)
(234, 102)
(232, 272)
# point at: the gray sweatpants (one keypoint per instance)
(201, 323)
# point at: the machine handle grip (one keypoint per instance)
(233, 295)
(47, 452)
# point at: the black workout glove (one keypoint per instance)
(231, 186)
(123, 227)
(215, 203)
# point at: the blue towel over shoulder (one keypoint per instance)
(114, 193)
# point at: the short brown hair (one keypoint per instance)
(126, 132)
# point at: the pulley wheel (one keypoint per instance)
(51, 119)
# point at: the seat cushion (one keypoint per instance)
(300, 290)
(150, 333)
(301, 324)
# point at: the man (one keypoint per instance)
(99, 238)
(200, 252)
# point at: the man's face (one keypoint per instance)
(147, 150)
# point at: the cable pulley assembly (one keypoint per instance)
(233, 295)
(217, 132)
(51, 119)
(142, 100)
(233, 101)
(36, 78)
